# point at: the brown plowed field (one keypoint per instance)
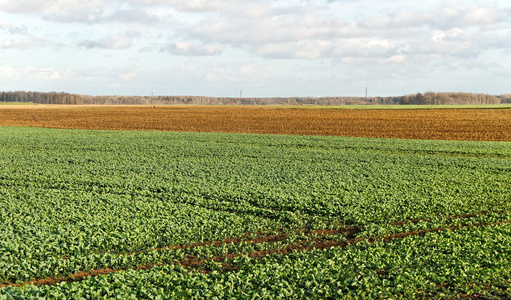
(438, 124)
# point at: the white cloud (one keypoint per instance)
(441, 18)
(310, 35)
(128, 75)
(465, 16)
(294, 29)
(454, 41)
(33, 73)
(22, 43)
(199, 6)
(398, 19)
(269, 29)
(235, 72)
(58, 10)
(7, 72)
(113, 42)
(5, 25)
(187, 48)
(74, 11)
(478, 15)
(19, 43)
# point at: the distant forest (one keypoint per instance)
(428, 98)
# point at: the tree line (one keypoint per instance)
(428, 98)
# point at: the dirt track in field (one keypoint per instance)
(315, 241)
(433, 124)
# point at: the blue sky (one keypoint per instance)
(269, 48)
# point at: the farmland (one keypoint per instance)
(432, 124)
(154, 215)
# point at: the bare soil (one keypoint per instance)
(434, 124)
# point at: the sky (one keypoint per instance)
(267, 48)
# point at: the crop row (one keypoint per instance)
(439, 265)
(282, 243)
(72, 202)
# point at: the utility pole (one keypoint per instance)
(365, 101)
(241, 93)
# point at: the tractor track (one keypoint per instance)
(316, 240)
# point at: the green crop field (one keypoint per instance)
(166, 215)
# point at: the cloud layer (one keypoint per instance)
(326, 39)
